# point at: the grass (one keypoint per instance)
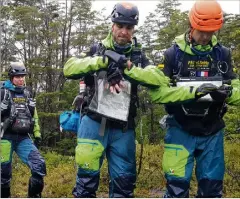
(61, 175)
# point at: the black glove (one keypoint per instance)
(222, 93)
(116, 65)
(115, 60)
(114, 76)
(205, 89)
(37, 142)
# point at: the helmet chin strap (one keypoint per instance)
(190, 34)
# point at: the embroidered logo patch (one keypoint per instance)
(171, 171)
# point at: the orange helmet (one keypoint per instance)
(206, 15)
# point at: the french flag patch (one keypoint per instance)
(202, 73)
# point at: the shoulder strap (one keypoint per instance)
(97, 48)
(26, 93)
(12, 105)
(218, 52)
(222, 58)
(179, 57)
(221, 52)
(7, 94)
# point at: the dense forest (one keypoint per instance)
(43, 34)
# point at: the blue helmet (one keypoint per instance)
(125, 13)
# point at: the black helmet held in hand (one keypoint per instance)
(16, 68)
(125, 13)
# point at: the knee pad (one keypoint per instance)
(35, 187)
(88, 154)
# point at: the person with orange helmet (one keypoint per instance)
(112, 71)
(195, 129)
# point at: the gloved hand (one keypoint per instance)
(114, 77)
(205, 89)
(115, 60)
(222, 93)
(117, 64)
(37, 142)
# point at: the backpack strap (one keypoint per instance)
(6, 98)
(13, 111)
(179, 57)
(26, 94)
(217, 50)
(97, 49)
(7, 94)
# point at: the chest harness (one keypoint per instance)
(203, 67)
(20, 119)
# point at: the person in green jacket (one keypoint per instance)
(112, 72)
(19, 118)
(195, 129)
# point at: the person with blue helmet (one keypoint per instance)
(195, 129)
(19, 119)
(112, 71)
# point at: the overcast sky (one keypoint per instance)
(229, 6)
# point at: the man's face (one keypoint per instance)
(122, 33)
(202, 38)
(18, 80)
